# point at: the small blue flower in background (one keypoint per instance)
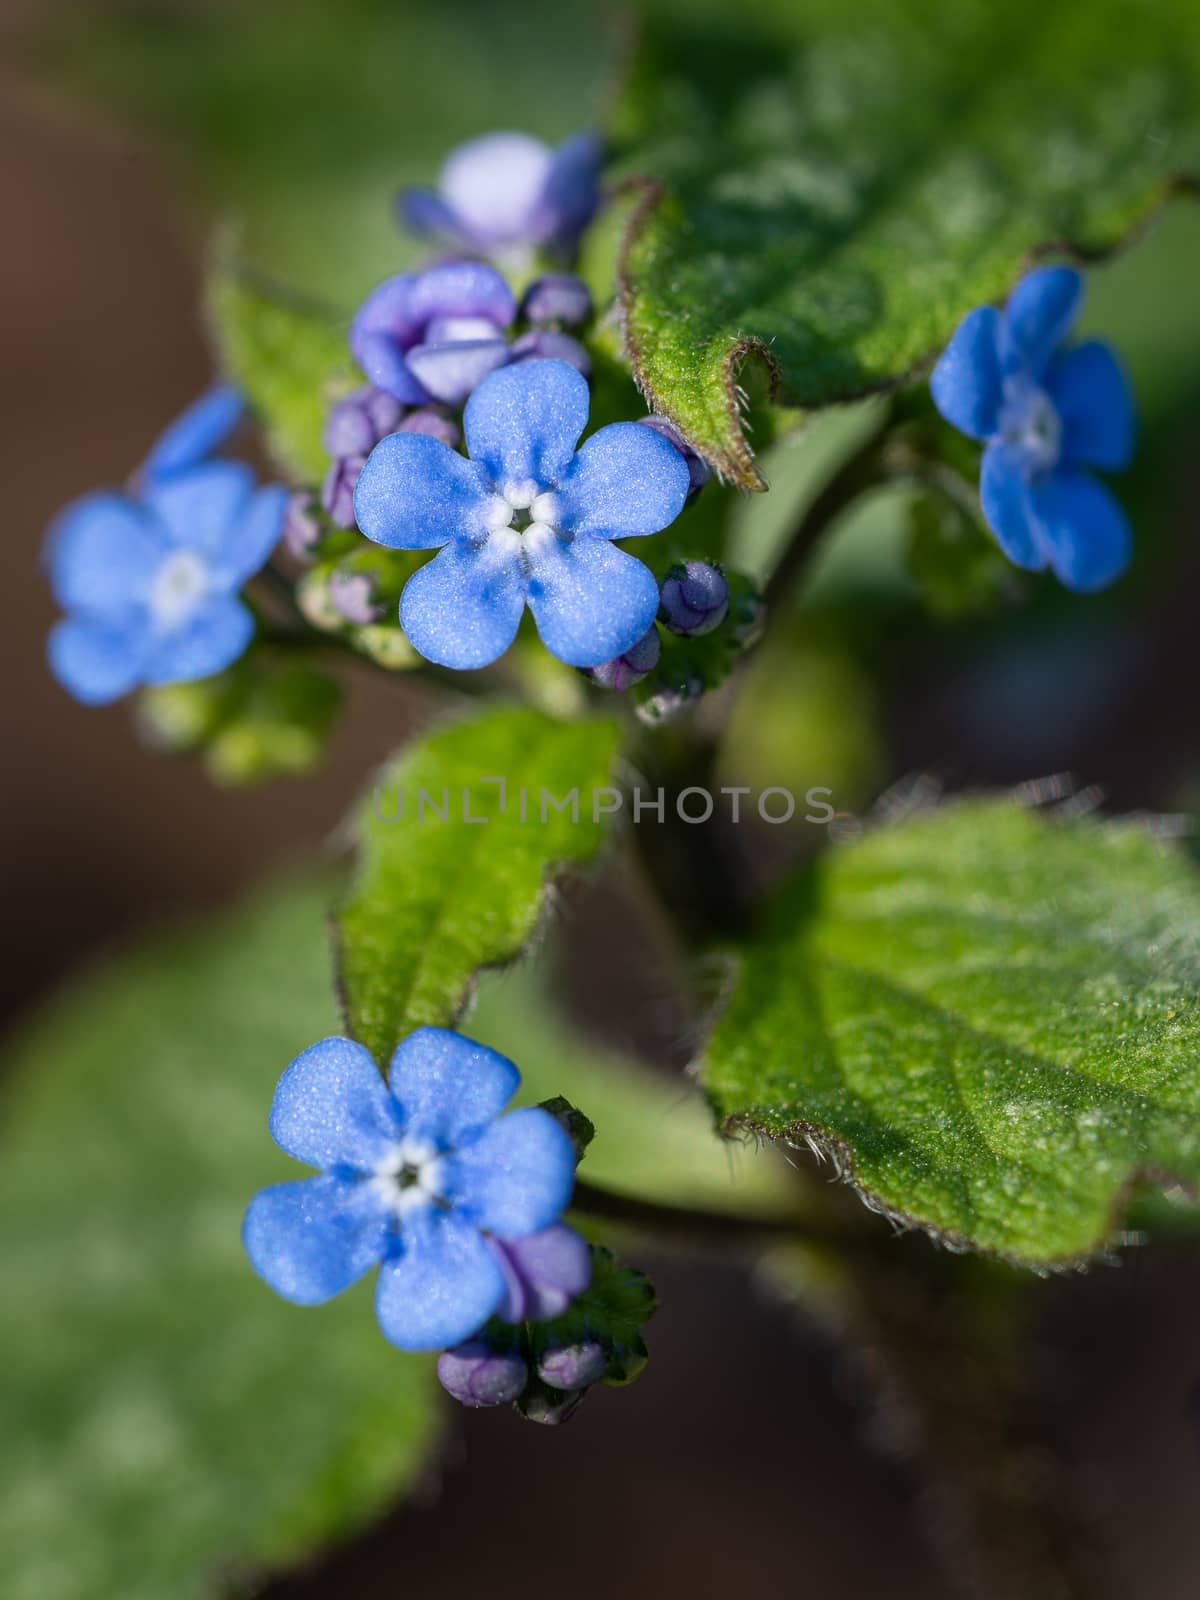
(422, 1177)
(149, 578)
(432, 335)
(507, 193)
(527, 520)
(1046, 414)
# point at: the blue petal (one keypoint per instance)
(194, 434)
(450, 371)
(207, 641)
(448, 1087)
(312, 1239)
(1038, 315)
(966, 384)
(97, 661)
(200, 508)
(415, 493)
(516, 1177)
(103, 553)
(462, 289)
(332, 1107)
(1085, 529)
(1005, 498)
(1093, 400)
(523, 422)
(444, 1286)
(252, 537)
(590, 601)
(426, 213)
(626, 481)
(572, 190)
(462, 608)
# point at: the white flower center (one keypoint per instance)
(408, 1177)
(179, 586)
(1030, 425)
(521, 519)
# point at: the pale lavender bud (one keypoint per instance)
(543, 1272)
(337, 492)
(351, 596)
(695, 598)
(301, 526)
(433, 424)
(477, 1374)
(699, 471)
(573, 1366)
(558, 297)
(449, 372)
(543, 344)
(356, 424)
(622, 672)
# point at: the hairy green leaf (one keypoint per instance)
(289, 358)
(988, 1015)
(830, 187)
(461, 838)
(168, 1422)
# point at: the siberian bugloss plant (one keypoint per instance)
(520, 477)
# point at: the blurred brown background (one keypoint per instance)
(741, 1459)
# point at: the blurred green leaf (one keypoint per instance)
(842, 181)
(958, 566)
(304, 117)
(455, 873)
(989, 1015)
(168, 1422)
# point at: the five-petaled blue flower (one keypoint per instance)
(506, 193)
(417, 1176)
(149, 577)
(433, 335)
(527, 520)
(1047, 414)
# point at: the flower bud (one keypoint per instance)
(337, 492)
(699, 471)
(573, 1366)
(301, 525)
(558, 297)
(353, 597)
(480, 1373)
(543, 344)
(434, 424)
(622, 672)
(543, 1272)
(355, 425)
(549, 1406)
(694, 598)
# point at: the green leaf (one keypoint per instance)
(169, 1422)
(831, 187)
(289, 358)
(988, 1015)
(439, 896)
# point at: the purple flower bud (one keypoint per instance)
(543, 344)
(476, 1374)
(695, 598)
(543, 1273)
(301, 529)
(450, 371)
(622, 672)
(557, 297)
(433, 424)
(337, 492)
(356, 424)
(351, 594)
(573, 1366)
(549, 1406)
(699, 471)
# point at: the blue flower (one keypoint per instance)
(507, 193)
(432, 335)
(527, 520)
(417, 1177)
(149, 578)
(1046, 414)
